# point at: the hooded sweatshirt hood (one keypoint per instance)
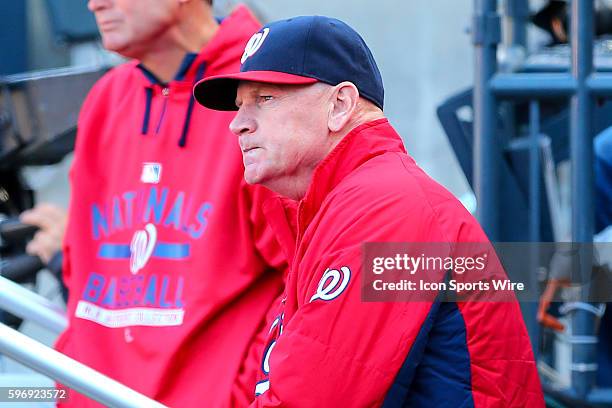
(214, 58)
(169, 264)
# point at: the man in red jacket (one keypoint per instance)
(170, 266)
(310, 125)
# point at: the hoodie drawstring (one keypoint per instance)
(199, 75)
(147, 112)
(149, 97)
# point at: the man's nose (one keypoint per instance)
(242, 123)
(95, 5)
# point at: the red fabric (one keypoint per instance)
(271, 77)
(346, 352)
(209, 270)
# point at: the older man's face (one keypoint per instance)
(133, 27)
(283, 133)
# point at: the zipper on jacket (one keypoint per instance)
(300, 225)
(165, 93)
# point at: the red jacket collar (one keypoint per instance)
(289, 218)
(361, 144)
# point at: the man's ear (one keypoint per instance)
(344, 100)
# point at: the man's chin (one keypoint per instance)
(251, 175)
(119, 47)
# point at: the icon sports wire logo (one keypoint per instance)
(437, 271)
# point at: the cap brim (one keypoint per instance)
(219, 92)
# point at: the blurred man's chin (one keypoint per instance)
(251, 176)
(114, 44)
(110, 45)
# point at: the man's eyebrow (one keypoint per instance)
(257, 90)
(266, 88)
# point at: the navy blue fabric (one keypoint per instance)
(603, 179)
(316, 47)
(147, 113)
(436, 372)
(603, 218)
(398, 393)
(187, 122)
(150, 76)
(186, 64)
(604, 354)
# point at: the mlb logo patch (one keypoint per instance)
(151, 173)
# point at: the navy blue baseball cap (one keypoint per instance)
(300, 50)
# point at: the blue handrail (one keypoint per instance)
(580, 86)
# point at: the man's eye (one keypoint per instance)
(265, 98)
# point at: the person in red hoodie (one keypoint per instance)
(169, 263)
(309, 122)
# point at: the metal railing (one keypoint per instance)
(28, 305)
(581, 85)
(70, 372)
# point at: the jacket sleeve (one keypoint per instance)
(340, 350)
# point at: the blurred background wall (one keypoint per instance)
(422, 48)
